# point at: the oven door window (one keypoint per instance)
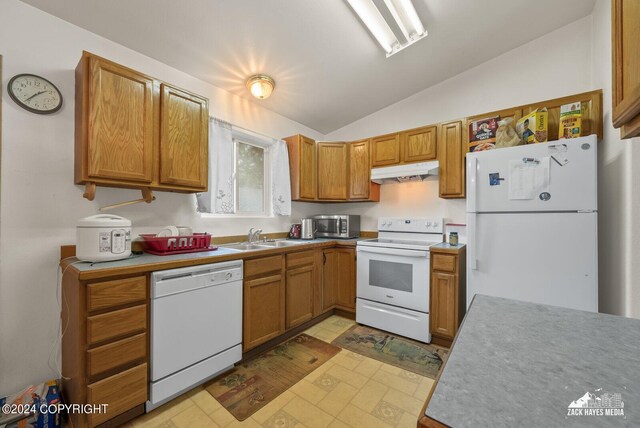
(327, 226)
(391, 275)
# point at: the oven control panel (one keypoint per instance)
(410, 225)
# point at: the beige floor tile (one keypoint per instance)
(193, 417)
(395, 381)
(163, 413)
(326, 382)
(307, 413)
(308, 391)
(352, 378)
(325, 335)
(411, 376)
(247, 423)
(205, 401)
(346, 361)
(368, 366)
(370, 394)
(390, 369)
(408, 420)
(282, 419)
(276, 404)
(387, 412)
(357, 418)
(405, 402)
(222, 417)
(337, 423)
(424, 388)
(337, 399)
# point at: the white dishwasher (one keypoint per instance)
(196, 327)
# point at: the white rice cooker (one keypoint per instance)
(103, 237)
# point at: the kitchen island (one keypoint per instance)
(522, 364)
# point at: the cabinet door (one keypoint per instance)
(308, 169)
(120, 126)
(299, 295)
(359, 170)
(263, 312)
(385, 150)
(626, 66)
(329, 279)
(184, 138)
(346, 297)
(452, 150)
(419, 145)
(442, 318)
(332, 170)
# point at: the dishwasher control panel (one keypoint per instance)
(174, 281)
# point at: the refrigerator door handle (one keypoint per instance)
(471, 241)
(472, 185)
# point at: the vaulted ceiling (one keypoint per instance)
(329, 70)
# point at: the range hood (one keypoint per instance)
(404, 173)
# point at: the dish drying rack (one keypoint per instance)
(166, 245)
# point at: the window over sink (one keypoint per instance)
(251, 181)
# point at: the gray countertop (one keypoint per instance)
(140, 260)
(522, 364)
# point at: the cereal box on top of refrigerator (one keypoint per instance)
(532, 128)
(482, 134)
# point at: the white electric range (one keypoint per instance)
(393, 276)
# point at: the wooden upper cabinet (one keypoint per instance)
(359, 170)
(303, 167)
(184, 138)
(591, 113)
(452, 149)
(419, 145)
(333, 167)
(115, 132)
(137, 132)
(625, 15)
(385, 150)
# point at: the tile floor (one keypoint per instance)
(349, 390)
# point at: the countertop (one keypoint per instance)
(149, 262)
(522, 364)
(445, 247)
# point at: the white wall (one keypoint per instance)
(502, 82)
(618, 197)
(40, 203)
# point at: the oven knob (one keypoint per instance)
(428, 224)
(435, 224)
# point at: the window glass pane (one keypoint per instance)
(250, 178)
(395, 276)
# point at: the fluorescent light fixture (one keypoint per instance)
(372, 18)
(407, 18)
(402, 11)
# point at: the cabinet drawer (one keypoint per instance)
(444, 262)
(301, 259)
(118, 292)
(116, 324)
(116, 354)
(262, 265)
(121, 392)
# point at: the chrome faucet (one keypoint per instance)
(254, 235)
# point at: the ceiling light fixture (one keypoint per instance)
(403, 13)
(261, 86)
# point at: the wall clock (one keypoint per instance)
(34, 93)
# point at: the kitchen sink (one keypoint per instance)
(246, 247)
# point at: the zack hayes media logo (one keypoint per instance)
(590, 404)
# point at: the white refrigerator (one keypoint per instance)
(532, 223)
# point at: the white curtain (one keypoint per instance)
(219, 198)
(280, 179)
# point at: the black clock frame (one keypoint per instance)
(30, 109)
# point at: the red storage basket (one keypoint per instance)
(165, 245)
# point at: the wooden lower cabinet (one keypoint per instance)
(301, 278)
(447, 293)
(339, 279)
(105, 346)
(264, 301)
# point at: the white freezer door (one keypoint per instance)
(548, 258)
(571, 187)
